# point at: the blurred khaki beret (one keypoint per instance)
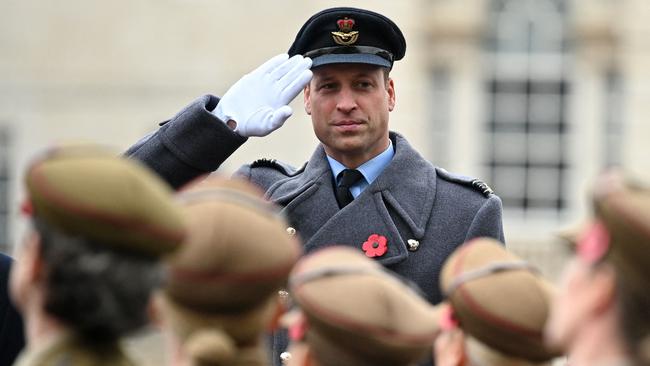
(236, 257)
(90, 192)
(619, 230)
(623, 207)
(359, 314)
(498, 299)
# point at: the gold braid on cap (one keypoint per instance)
(229, 196)
(332, 271)
(486, 271)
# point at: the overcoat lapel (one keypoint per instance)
(311, 207)
(308, 198)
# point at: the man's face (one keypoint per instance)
(349, 106)
(567, 311)
(584, 293)
(586, 290)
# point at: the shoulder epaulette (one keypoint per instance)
(473, 183)
(285, 169)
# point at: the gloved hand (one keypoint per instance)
(258, 102)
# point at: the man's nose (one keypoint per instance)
(346, 101)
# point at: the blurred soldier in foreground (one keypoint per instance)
(601, 315)
(355, 313)
(222, 291)
(495, 310)
(11, 325)
(87, 266)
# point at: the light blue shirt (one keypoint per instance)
(370, 169)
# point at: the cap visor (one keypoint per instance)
(572, 233)
(350, 58)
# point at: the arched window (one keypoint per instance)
(527, 61)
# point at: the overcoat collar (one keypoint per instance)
(405, 190)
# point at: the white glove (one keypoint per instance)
(258, 102)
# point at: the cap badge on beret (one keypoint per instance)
(375, 246)
(346, 36)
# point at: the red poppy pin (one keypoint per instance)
(375, 246)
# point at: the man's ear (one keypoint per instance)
(307, 99)
(390, 88)
(154, 309)
(33, 258)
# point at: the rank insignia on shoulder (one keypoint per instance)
(482, 187)
(286, 169)
(270, 163)
(474, 183)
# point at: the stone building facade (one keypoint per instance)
(534, 96)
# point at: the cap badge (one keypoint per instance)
(375, 246)
(346, 36)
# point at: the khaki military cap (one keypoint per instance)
(237, 253)
(90, 192)
(359, 314)
(498, 299)
(623, 207)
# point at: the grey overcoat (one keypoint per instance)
(410, 201)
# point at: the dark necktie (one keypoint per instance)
(348, 178)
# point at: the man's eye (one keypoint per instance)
(327, 86)
(364, 84)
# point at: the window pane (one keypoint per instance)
(547, 67)
(547, 33)
(526, 59)
(510, 108)
(545, 108)
(511, 66)
(510, 148)
(4, 235)
(512, 33)
(544, 183)
(544, 149)
(509, 182)
(440, 116)
(3, 196)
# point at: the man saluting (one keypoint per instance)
(364, 186)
